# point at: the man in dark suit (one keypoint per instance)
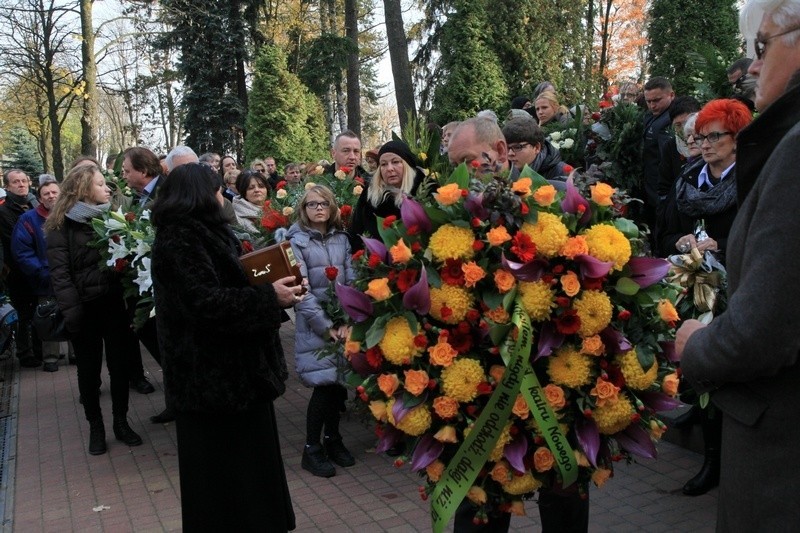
(749, 355)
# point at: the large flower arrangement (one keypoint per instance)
(125, 240)
(508, 333)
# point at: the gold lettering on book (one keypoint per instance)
(257, 273)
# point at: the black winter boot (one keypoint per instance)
(708, 477)
(97, 437)
(124, 433)
(337, 453)
(314, 461)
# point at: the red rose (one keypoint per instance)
(624, 315)
(247, 247)
(130, 216)
(359, 180)
(484, 388)
(596, 116)
(416, 247)
(476, 222)
(412, 230)
(473, 315)
(568, 168)
(593, 284)
(406, 279)
(281, 184)
(464, 193)
(475, 163)
(460, 341)
(451, 272)
(346, 210)
(420, 340)
(121, 264)
(477, 245)
(562, 301)
(331, 272)
(346, 170)
(388, 221)
(116, 238)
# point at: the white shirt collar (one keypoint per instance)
(703, 177)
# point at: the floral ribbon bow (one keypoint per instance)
(700, 272)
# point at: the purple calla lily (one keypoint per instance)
(515, 453)
(658, 401)
(670, 353)
(549, 340)
(474, 205)
(588, 437)
(389, 438)
(614, 341)
(399, 409)
(354, 302)
(361, 365)
(591, 267)
(646, 271)
(573, 200)
(427, 451)
(376, 247)
(413, 214)
(418, 297)
(637, 441)
(530, 271)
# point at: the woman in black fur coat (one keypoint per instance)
(223, 362)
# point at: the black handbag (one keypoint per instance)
(49, 322)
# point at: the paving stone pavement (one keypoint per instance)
(54, 485)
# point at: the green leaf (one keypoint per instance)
(411, 401)
(388, 235)
(703, 400)
(498, 333)
(493, 299)
(437, 216)
(627, 286)
(646, 356)
(376, 331)
(460, 176)
(434, 280)
(412, 321)
(508, 299)
(627, 227)
(359, 332)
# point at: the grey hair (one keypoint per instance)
(178, 151)
(783, 13)
(44, 179)
(688, 126)
(206, 157)
(486, 130)
(488, 113)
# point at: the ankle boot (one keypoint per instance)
(97, 437)
(334, 448)
(124, 433)
(708, 477)
(314, 461)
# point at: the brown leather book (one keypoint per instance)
(272, 263)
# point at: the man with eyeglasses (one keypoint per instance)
(527, 146)
(750, 355)
(479, 142)
(744, 84)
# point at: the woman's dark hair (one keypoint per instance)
(244, 179)
(190, 190)
(222, 164)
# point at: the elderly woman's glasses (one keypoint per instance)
(761, 42)
(712, 137)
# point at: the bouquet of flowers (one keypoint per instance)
(125, 240)
(507, 333)
(703, 282)
(618, 153)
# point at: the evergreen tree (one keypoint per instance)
(20, 150)
(680, 27)
(471, 78)
(285, 120)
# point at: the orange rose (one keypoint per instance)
(472, 273)
(476, 495)
(351, 347)
(388, 383)
(446, 434)
(521, 408)
(448, 194)
(497, 315)
(570, 283)
(435, 470)
(378, 289)
(600, 476)
(504, 280)
(555, 396)
(601, 194)
(378, 408)
(517, 508)
(445, 407)
(667, 312)
(497, 371)
(575, 246)
(544, 195)
(543, 459)
(497, 236)
(593, 346)
(670, 384)
(442, 353)
(416, 381)
(501, 472)
(522, 186)
(400, 252)
(605, 391)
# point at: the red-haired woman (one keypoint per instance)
(699, 213)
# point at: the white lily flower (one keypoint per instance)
(114, 224)
(145, 278)
(118, 250)
(145, 214)
(142, 249)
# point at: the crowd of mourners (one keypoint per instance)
(200, 207)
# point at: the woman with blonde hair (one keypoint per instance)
(397, 176)
(548, 109)
(91, 300)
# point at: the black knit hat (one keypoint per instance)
(400, 148)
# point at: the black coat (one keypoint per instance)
(218, 335)
(657, 132)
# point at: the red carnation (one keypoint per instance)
(388, 221)
(568, 168)
(524, 209)
(331, 272)
(473, 315)
(624, 315)
(358, 255)
(359, 180)
(412, 230)
(346, 210)
(247, 247)
(460, 341)
(562, 301)
(416, 247)
(374, 261)
(346, 170)
(420, 340)
(281, 184)
(451, 272)
(593, 284)
(568, 322)
(406, 279)
(484, 388)
(523, 247)
(477, 245)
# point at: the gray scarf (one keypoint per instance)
(695, 203)
(84, 213)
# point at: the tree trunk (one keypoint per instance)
(89, 112)
(604, 46)
(353, 82)
(398, 53)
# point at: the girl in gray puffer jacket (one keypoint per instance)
(321, 246)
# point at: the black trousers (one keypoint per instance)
(326, 402)
(24, 301)
(104, 325)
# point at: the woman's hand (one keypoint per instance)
(686, 243)
(684, 333)
(287, 293)
(708, 244)
(339, 333)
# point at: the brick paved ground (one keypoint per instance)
(55, 485)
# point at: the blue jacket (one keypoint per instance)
(315, 252)
(29, 250)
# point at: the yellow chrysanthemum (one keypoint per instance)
(537, 299)
(397, 344)
(452, 242)
(635, 376)
(457, 299)
(461, 379)
(549, 234)
(522, 484)
(613, 417)
(607, 243)
(415, 423)
(594, 309)
(570, 368)
(505, 438)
